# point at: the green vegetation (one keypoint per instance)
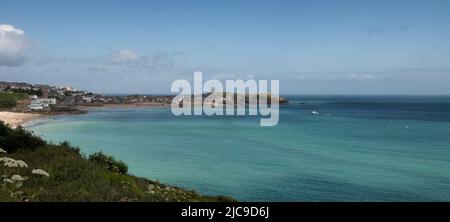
(8, 100)
(12, 140)
(109, 162)
(33, 170)
(27, 91)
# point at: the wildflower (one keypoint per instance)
(17, 177)
(40, 172)
(7, 180)
(2, 151)
(9, 162)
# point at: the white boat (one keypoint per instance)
(315, 112)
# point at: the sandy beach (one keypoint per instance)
(15, 119)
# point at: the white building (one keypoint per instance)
(40, 104)
(35, 106)
(68, 88)
(87, 99)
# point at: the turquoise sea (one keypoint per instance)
(359, 148)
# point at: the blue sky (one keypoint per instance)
(312, 47)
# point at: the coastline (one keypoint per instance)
(15, 119)
(125, 106)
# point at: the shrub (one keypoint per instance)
(109, 162)
(8, 100)
(75, 149)
(12, 140)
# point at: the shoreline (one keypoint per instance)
(15, 119)
(125, 106)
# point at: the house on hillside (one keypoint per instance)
(41, 104)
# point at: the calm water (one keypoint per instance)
(357, 149)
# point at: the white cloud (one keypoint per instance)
(14, 45)
(299, 76)
(336, 76)
(250, 76)
(131, 59)
(224, 76)
(355, 76)
(228, 76)
(125, 56)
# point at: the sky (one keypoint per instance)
(312, 47)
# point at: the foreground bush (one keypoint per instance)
(109, 162)
(60, 173)
(12, 140)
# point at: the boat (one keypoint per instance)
(315, 112)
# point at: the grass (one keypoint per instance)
(75, 177)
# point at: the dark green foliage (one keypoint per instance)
(108, 162)
(75, 178)
(8, 100)
(12, 140)
(66, 144)
(27, 91)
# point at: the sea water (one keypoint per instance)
(358, 148)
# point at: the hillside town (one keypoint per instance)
(46, 98)
(66, 99)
